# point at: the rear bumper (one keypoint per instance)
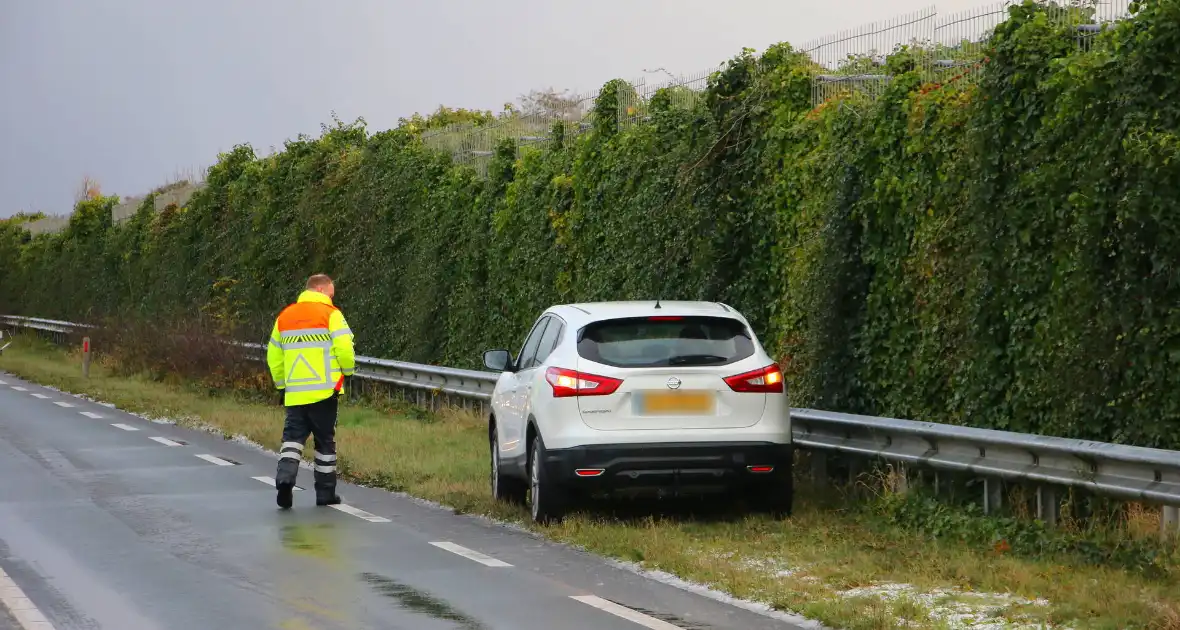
(681, 466)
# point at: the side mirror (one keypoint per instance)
(498, 360)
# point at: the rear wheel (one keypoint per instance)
(504, 488)
(548, 500)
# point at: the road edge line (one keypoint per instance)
(20, 607)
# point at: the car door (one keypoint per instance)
(513, 416)
(533, 373)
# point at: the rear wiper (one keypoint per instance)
(695, 359)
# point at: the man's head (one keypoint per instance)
(323, 284)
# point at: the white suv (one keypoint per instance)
(639, 396)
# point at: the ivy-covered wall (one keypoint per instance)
(999, 252)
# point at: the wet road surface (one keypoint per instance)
(111, 521)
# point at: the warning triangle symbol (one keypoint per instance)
(302, 372)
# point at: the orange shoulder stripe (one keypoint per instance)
(304, 315)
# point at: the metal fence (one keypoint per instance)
(947, 48)
(1048, 464)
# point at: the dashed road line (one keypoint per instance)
(470, 554)
(165, 441)
(3, 382)
(20, 606)
(60, 403)
(91, 414)
(626, 613)
(18, 388)
(270, 481)
(125, 427)
(41, 396)
(359, 513)
(212, 459)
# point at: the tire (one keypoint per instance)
(504, 487)
(547, 504)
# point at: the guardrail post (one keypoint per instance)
(1048, 505)
(854, 470)
(992, 495)
(896, 477)
(1170, 521)
(819, 466)
(86, 357)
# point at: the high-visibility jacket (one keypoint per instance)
(310, 350)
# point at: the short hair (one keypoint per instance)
(318, 281)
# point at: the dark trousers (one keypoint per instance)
(319, 420)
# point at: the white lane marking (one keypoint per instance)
(125, 427)
(19, 388)
(165, 441)
(471, 554)
(63, 404)
(20, 606)
(625, 613)
(215, 460)
(270, 481)
(359, 513)
(91, 414)
(3, 382)
(41, 396)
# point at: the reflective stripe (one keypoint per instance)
(324, 458)
(295, 445)
(280, 385)
(290, 455)
(303, 331)
(325, 469)
(314, 387)
(276, 343)
(304, 345)
(342, 332)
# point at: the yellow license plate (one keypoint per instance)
(654, 403)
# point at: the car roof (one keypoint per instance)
(594, 311)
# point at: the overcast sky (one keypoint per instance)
(131, 92)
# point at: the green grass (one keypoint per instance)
(830, 545)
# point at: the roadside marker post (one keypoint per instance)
(86, 357)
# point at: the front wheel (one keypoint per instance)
(548, 500)
(504, 488)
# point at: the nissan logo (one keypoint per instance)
(673, 383)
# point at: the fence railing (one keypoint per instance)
(1048, 464)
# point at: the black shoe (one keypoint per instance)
(284, 496)
(334, 500)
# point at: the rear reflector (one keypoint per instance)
(760, 469)
(767, 380)
(589, 472)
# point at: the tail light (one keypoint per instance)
(568, 383)
(767, 380)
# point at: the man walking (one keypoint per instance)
(309, 354)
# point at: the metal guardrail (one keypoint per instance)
(1118, 471)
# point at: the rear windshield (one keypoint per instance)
(665, 341)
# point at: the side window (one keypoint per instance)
(549, 340)
(529, 351)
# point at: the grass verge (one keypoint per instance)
(838, 560)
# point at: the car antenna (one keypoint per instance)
(658, 303)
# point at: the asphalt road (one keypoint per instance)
(111, 521)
